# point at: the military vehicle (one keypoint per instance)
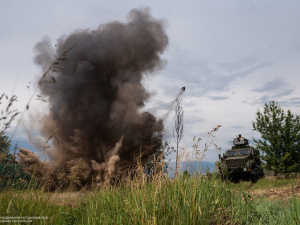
(241, 162)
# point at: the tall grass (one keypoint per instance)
(197, 200)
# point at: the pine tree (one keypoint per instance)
(280, 138)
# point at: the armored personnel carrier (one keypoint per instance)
(241, 162)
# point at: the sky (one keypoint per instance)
(232, 56)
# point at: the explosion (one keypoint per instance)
(93, 84)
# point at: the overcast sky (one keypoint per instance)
(232, 57)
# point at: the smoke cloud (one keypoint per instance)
(93, 84)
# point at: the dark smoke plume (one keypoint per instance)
(92, 82)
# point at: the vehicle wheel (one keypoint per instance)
(253, 177)
(236, 180)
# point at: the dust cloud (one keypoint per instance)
(93, 83)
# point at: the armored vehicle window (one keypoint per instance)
(244, 152)
(230, 153)
(240, 141)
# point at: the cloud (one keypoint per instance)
(218, 98)
(194, 120)
(275, 90)
(240, 64)
(201, 77)
(291, 102)
(237, 127)
(283, 93)
(273, 85)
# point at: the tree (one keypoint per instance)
(4, 148)
(178, 127)
(7, 116)
(280, 133)
(158, 162)
(186, 175)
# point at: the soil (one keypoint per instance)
(278, 193)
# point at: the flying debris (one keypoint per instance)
(172, 104)
(53, 79)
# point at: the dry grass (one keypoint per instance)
(278, 193)
(8, 115)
